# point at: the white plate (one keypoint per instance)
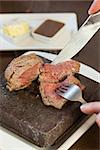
(34, 19)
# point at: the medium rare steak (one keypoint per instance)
(49, 95)
(56, 73)
(22, 71)
(53, 76)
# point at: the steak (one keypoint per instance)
(56, 73)
(49, 95)
(22, 71)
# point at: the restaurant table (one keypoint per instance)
(90, 140)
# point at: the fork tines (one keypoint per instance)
(62, 88)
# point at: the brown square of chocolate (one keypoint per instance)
(49, 28)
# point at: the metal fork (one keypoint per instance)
(71, 92)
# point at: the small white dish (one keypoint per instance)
(49, 30)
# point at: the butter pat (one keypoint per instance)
(15, 30)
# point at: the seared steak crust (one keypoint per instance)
(22, 71)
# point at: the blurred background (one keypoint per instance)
(79, 7)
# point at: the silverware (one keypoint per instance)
(70, 92)
(80, 39)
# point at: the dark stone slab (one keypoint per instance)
(24, 113)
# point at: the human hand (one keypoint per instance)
(90, 108)
(94, 7)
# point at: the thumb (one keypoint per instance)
(94, 7)
(89, 108)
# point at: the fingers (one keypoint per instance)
(93, 107)
(89, 108)
(98, 119)
(94, 7)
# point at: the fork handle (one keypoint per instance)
(82, 100)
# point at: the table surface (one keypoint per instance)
(90, 140)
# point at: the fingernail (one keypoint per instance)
(83, 106)
(89, 11)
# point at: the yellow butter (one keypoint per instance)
(16, 29)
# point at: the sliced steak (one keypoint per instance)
(22, 71)
(49, 95)
(55, 73)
